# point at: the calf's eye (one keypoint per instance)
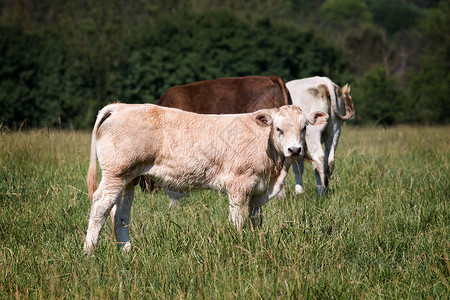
(279, 130)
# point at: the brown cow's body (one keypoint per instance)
(228, 95)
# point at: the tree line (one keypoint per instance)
(62, 61)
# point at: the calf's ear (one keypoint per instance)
(263, 119)
(317, 117)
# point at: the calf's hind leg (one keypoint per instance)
(120, 216)
(107, 195)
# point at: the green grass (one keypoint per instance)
(383, 232)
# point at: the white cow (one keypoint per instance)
(320, 93)
(246, 156)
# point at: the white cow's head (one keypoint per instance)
(288, 125)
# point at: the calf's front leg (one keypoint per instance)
(238, 210)
(174, 198)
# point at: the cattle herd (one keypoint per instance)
(237, 135)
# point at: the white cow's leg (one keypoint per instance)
(120, 215)
(298, 167)
(174, 198)
(331, 143)
(107, 195)
(238, 210)
(313, 141)
(329, 159)
(320, 179)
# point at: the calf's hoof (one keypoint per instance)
(281, 194)
(88, 250)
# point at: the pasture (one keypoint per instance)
(383, 232)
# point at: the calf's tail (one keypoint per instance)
(92, 177)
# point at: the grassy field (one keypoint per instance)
(382, 233)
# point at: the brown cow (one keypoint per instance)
(232, 95)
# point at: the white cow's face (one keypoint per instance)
(289, 128)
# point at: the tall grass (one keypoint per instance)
(382, 232)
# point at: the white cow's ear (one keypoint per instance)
(263, 119)
(346, 89)
(317, 117)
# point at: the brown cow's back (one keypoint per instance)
(228, 95)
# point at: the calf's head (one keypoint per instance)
(288, 128)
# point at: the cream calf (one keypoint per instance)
(245, 156)
(320, 93)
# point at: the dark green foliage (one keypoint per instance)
(367, 46)
(430, 88)
(24, 68)
(40, 81)
(61, 61)
(346, 11)
(429, 95)
(395, 15)
(218, 44)
(73, 86)
(377, 98)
